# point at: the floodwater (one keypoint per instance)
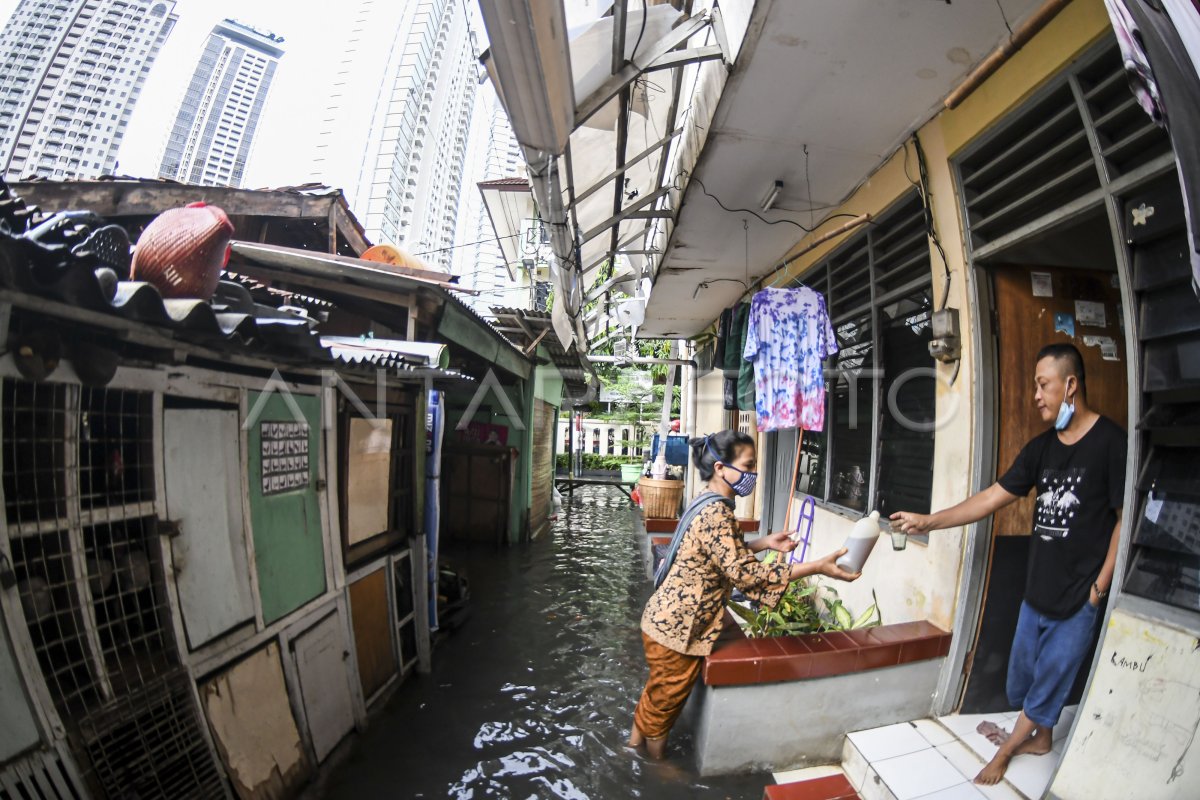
(533, 696)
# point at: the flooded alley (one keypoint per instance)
(533, 696)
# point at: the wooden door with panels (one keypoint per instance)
(1034, 306)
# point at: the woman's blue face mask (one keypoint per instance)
(744, 485)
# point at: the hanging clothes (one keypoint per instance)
(745, 371)
(788, 337)
(1160, 47)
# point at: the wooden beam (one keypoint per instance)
(632, 212)
(629, 73)
(642, 156)
(150, 198)
(620, 14)
(681, 58)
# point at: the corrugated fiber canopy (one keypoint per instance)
(610, 101)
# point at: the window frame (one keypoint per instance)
(905, 209)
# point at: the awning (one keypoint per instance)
(610, 105)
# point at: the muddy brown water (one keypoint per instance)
(533, 696)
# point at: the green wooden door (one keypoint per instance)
(289, 552)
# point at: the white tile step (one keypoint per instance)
(919, 760)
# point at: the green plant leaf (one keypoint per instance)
(864, 618)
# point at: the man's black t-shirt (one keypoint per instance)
(1079, 489)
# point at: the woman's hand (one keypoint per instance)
(781, 541)
(826, 566)
(913, 523)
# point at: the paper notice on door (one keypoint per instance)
(1089, 313)
(1107, 345)
(1153, 508)
(1041, 283)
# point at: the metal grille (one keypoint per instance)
(405, 609)
(149, 744)
(123, 565)
(79, 478)
(1125, 134)
(1032, 164)
(35, 453)
(40, 775)
(116, 441)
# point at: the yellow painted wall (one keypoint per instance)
(922, 582)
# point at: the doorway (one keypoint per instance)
(1060, 288)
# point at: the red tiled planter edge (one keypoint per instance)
(833, 787)
(664, 525)
(739, 661)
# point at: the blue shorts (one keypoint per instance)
(1045, 659)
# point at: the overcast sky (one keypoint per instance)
(309, 52)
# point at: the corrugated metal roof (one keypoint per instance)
(231, 317)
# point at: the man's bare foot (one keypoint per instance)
(993, 773)
(1037, 745)
(993, 732)
(656, 748)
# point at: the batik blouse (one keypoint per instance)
(686, 612)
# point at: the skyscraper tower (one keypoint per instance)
(214, 128)
(493, 153)
(394, 132)
(70, 74)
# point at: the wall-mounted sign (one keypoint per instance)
(284, 456)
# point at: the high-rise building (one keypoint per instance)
(394, 133)
(492, 154)
(214, 128)
(70, 74)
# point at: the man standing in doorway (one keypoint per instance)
(1078, 467)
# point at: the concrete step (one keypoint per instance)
(919, 759)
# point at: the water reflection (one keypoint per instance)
(533, 696)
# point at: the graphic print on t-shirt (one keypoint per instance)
(1057, 502)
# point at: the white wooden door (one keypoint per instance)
(204, 494)
(322, 653)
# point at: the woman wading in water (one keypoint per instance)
(708, 559)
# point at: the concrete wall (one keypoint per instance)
(776, 726)
(1135, 734)
(922, 581)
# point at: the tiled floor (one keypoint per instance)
(938, 760)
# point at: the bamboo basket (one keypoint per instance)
(660, 499)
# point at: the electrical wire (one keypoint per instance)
(705, 284)
(1004, 17)
(927, 201)
(753, 213)
(488, 240)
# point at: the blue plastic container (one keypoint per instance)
(677, 449)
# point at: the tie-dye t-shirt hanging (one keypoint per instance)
(788, 338)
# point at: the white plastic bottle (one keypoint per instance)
(860, 542)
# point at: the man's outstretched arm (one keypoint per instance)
(973, 509)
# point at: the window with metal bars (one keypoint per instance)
(877, 446)
(1164, 560)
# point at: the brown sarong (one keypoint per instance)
(672, 675)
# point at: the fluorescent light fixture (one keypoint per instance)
(772, 195)
(530, 66)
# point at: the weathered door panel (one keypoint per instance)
(203, 476)
(252, 724)
(321, 655)
(18, 730)
(289, 550)
(372, 632)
